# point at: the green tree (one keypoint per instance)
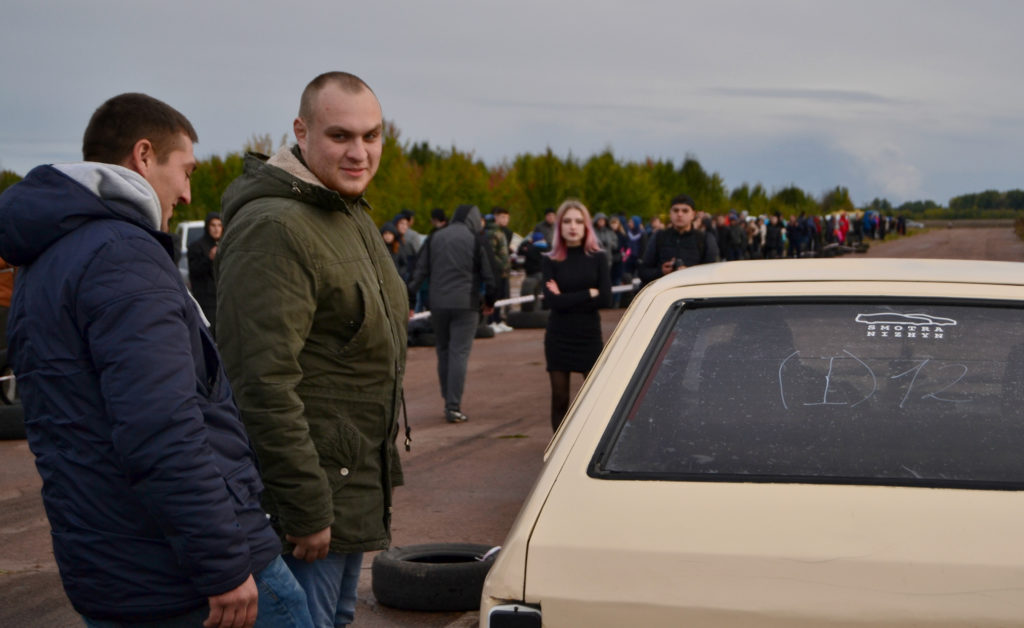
(836, 200)
(506, 190)
(8, 178)
(453, 179)
(397, 183)
(1015, 199)
(792, 200)
(546, 181)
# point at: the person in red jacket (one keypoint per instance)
(6, 290)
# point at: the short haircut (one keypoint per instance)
(118, 124)
(499, 210)
(349, 83)
(682, 199)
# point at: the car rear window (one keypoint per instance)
(875, 392)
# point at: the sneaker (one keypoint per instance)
(454, 416)
(504, 326)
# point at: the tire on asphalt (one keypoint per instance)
(432, 576)
(12, 422)
(537, 319)
(484, 331)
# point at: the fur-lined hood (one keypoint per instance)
(282, 176)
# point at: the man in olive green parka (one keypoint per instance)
(312, 328)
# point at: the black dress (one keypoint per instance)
(573, 341)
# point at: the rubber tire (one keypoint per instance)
(484, 331)
(537, 319)
(12, 422)
(431, 576)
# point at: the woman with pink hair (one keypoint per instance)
(576, 284)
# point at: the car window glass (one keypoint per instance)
(874, 392)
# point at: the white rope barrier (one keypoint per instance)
(629, 287)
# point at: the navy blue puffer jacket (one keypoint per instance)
(149, 481)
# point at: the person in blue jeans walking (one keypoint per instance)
(149, 482)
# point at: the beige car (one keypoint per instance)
(787, 443)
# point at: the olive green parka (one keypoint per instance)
(312, 330)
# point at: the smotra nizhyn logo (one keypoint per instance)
(915, 326)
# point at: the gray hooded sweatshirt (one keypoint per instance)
(456, 262)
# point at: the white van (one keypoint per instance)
(185, 234)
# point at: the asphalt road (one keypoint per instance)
(465, 481)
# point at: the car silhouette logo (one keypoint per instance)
(889, 318)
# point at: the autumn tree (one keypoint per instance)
(7, 179)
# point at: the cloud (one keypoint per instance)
(827, 96)
(886, 167)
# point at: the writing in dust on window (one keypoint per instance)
(847, 380)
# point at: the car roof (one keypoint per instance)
(848, 269)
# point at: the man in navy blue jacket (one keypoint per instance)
(149, 481)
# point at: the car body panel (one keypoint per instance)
(605, 552)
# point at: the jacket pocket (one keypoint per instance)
(338, 443)
(244, 485)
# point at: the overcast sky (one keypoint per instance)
(903, 100)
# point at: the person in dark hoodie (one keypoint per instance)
(679, 246)
(201, 254)
(406, 251)
(149, 482)
(532, 250)
(393, 242)
(456, 263)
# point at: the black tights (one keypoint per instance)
(559, 397)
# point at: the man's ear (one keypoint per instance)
(301, 133)
(142, 157)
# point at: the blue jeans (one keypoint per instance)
(330, 585)
(282, 603)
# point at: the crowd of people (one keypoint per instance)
(572, 260)
(625, 242)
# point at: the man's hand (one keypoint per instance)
(552, 286)
(488, 310)
(213, 251)
(313, 547)
(236, 608)
(667, 267)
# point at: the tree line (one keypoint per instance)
(420, 177)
